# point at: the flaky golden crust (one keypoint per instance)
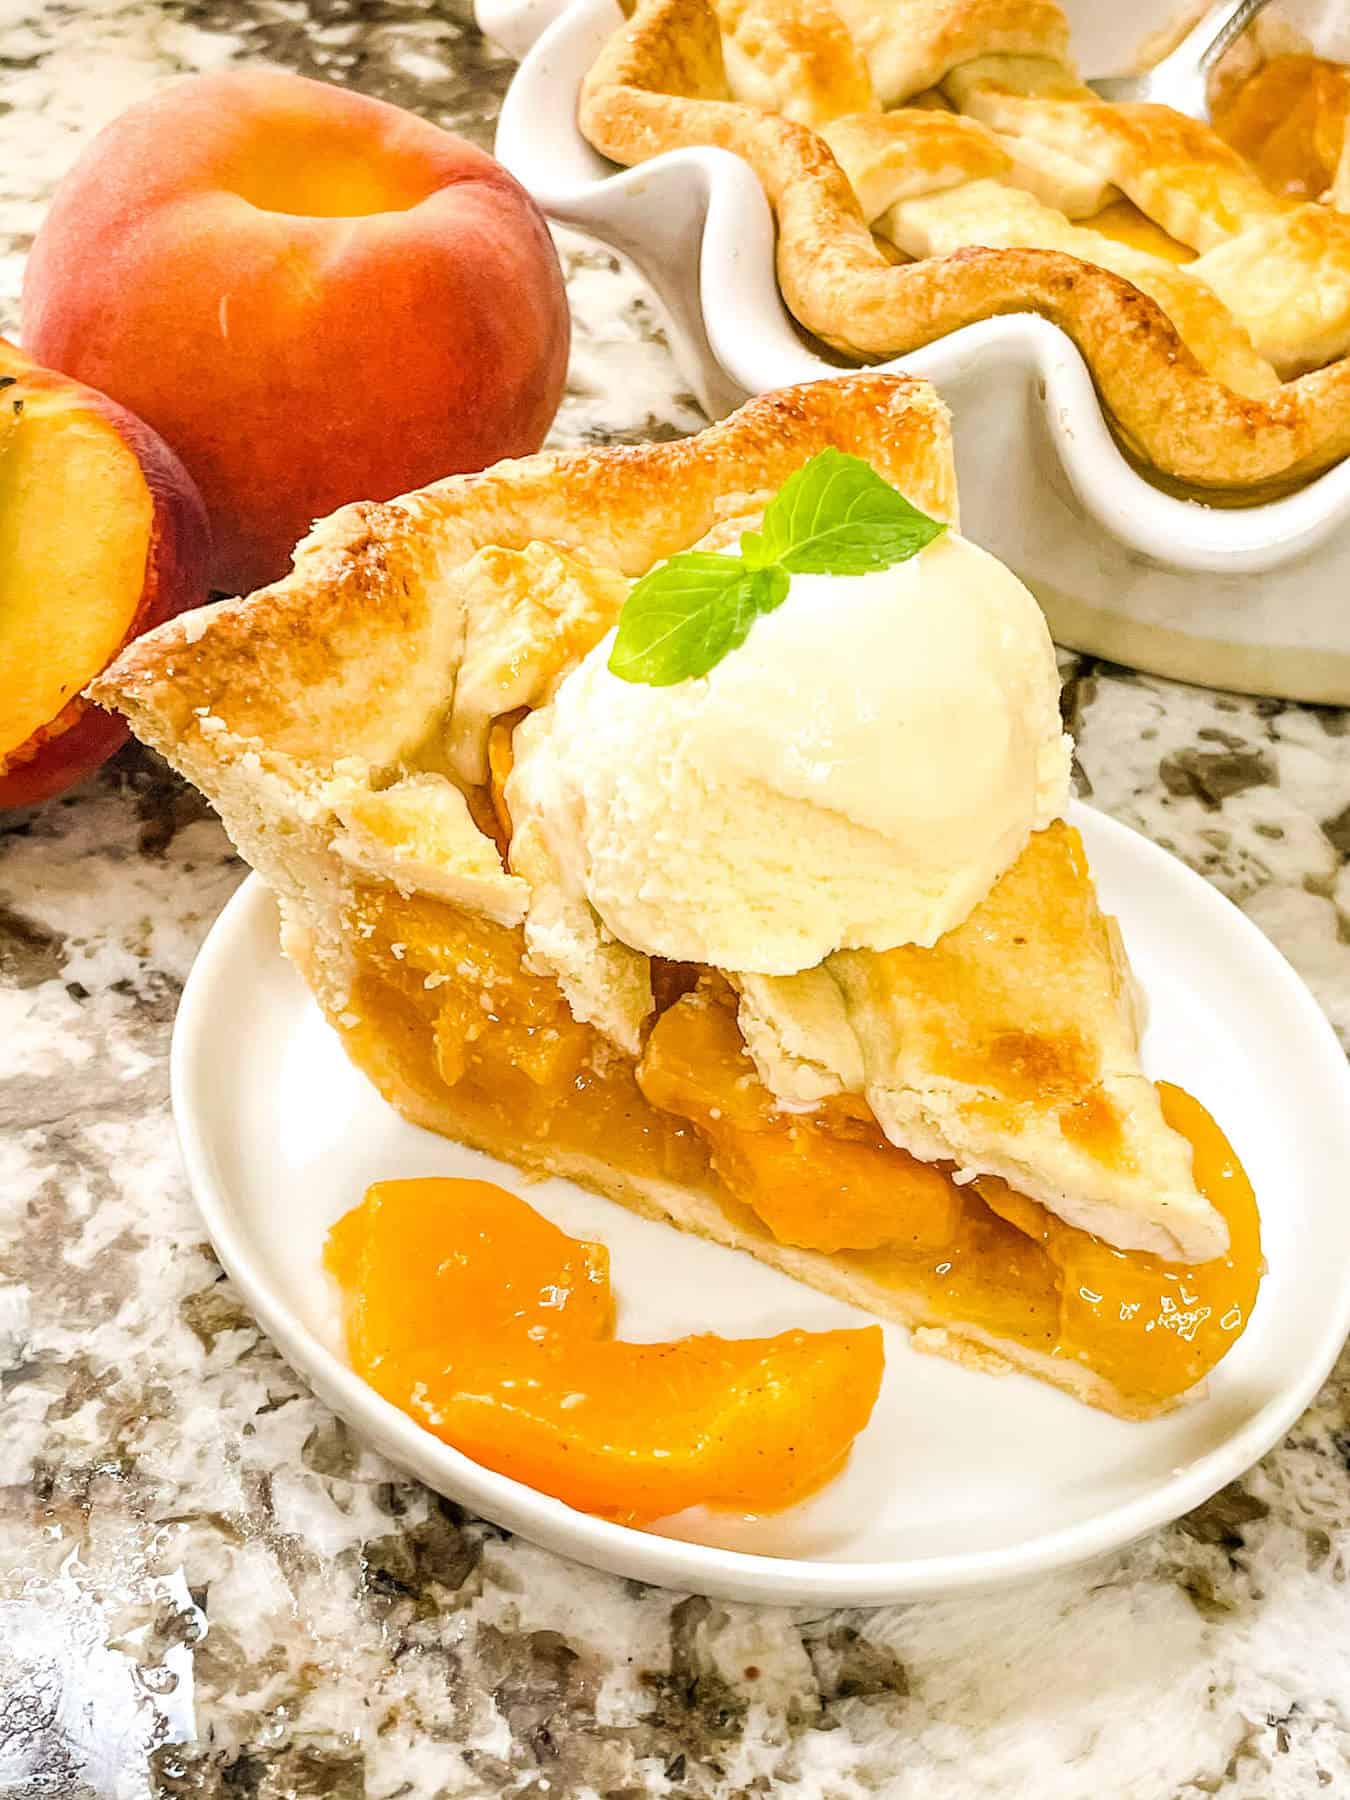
(802, 64)
(351, 647)
(909, 45)
(659, 84)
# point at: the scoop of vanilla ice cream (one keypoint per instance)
(855, 775)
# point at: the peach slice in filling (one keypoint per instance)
(979, 1255)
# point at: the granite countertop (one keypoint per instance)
(208, 1588)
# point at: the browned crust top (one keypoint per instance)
(354, 645)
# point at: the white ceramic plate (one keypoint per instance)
(960, 1479)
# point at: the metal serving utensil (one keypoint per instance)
(1181, 79)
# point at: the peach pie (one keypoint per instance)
(932, 163)
(688, 820)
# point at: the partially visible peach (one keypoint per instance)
(315, 297)
(102, 535)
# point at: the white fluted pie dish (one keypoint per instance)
(1255, 598)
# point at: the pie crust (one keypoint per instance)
(940, 163)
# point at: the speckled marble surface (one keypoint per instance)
(208, 1588)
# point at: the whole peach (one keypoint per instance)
(315, 297)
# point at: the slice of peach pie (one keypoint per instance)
(759, 913)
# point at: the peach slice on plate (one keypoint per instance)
(490, 1326)
(102, 535)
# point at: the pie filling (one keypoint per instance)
(1126, 224)
(1289, 120)
(450, 1023)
